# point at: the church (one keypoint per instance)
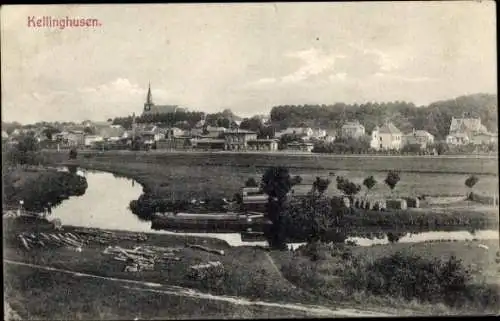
(151, 109)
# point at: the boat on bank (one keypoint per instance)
(217, 222)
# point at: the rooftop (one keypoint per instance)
(239, 131)
(389, 128)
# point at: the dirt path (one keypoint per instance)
(278, 271)
(186, 292)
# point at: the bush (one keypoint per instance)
(251, 182)
(412, 277)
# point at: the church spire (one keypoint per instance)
(149, 98)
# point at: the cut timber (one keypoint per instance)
(369, 205)
(45, 236)
(412, 202)
(207, 249)
(396, 204)
(24, 242)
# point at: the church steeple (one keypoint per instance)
(149, 100)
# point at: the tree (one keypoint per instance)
(73, 153)
(296, 180)
(392, 180)
(470, 182)
(251, 182)
(26, 151)
(253, 124)
(49, 132)
(88, 130)
(320, 185)
(276, 183)
(369, 183)
(349, 188)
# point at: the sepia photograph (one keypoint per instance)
(250, 160)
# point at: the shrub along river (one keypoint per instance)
(105, 205)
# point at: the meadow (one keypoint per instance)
(207, 175)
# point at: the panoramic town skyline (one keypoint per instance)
(247, 58)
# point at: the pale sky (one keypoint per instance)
(246, 57)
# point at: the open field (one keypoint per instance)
(190, 175)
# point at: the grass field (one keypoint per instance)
(221, 175)
(35, 294)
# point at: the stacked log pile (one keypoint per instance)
(396, 204)
(207, 270)
(143, 257)
(379, 205)
(33, 240)
(104, 237)
(412, 202)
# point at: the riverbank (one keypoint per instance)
(252, 274)
(39, 188)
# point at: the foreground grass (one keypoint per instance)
(35, 294)
(249, 272)
(326, 276)
(286, 277)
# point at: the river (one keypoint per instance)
(105, 205)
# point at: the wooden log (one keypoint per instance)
(73, 236)
(55, 239)
(206, 249)
(171, 258)
(24, 242)
(45, 236)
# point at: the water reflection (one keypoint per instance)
(428, 236)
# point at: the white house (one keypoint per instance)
(418, 137)
(319, 133)
(463, 130)
(91, 139)
(175, 132)
(387, 137)
(352, 129)
(457, 139)
(215, 132)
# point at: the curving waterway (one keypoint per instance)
(105, 205)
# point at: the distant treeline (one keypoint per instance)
(434, 118)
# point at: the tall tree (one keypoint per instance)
(369, 183)
(470, 182)
(276, 183)
(392, 180)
